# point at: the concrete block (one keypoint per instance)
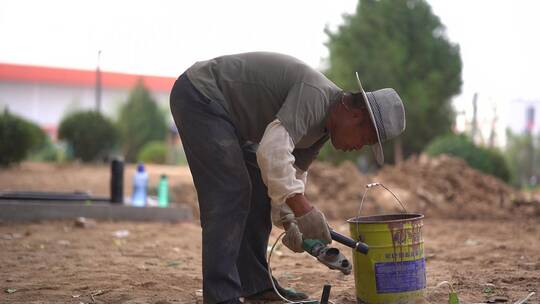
(46, 210)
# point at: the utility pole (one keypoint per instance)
(529, 126)
(98, 85)
(474, 127)
(493, 133)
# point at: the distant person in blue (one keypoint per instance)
(251, 124)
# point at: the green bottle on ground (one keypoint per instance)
(163, 192)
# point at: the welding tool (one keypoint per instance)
(331, 256)
(347, 241)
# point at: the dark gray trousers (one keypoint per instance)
(233, 200)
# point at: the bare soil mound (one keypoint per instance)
(337, 190)
(437, 187)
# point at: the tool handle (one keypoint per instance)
(347, 241)
(325, 294)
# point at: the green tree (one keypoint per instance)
(140, 122)
(89, 134)
(400, 44)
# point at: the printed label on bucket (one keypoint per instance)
(400, 276)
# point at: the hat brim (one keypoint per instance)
(376, 148)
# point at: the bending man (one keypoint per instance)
(251, 124)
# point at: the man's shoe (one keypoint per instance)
(231, 301)
(271, 295)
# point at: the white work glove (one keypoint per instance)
(313, 225)
(293, 238)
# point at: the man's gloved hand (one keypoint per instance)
(293, 238)
(313, 225)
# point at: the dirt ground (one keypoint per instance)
(55, 262)
(94, 179)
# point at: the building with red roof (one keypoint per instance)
(44, 94)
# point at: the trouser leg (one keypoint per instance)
(223, 186)
(252, 264)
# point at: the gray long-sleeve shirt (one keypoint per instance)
(256, 88)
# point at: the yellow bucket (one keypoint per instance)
(394, 270)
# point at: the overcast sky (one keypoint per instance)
(499, 40)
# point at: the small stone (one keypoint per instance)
(82, 222)
(121, 233)
(470, 242)
(498, 299)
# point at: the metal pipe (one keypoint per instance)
(347, 241)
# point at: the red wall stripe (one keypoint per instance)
(73, 77)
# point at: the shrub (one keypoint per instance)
(489, 161)
(89, 134)
(38, 137)
(50, 152)
(499, 166)
(140, 122)
(17, 138)
(153, 152)
(522, 158)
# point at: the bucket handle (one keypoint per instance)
(371, 185)
(368, 187)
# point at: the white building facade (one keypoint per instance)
(44, 95)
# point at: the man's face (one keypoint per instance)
(351, 128)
